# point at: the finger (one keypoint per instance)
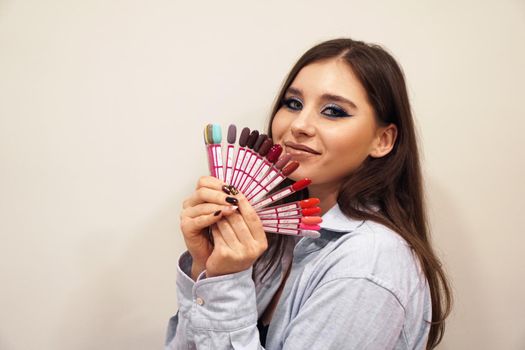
(217, 237)
(208, 195)
(229, 235)
(216, 184)
(209, 182)
(200, 222)
(251, 218)
(206, 209)
(241, 230)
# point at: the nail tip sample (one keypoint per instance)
(216, 133)
(252, 139)
(310, 233)
(301, 184)
(232, 134)
(311, 211)
(282, 161)
(290, 168)
(309, 202)
(243, 139)
(265, 147)
(274, 153)
(259, 142)
(310, 227)
(208, 131)
(311, 220)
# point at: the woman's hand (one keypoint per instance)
(239, 240)
(206, 206)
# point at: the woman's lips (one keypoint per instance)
(299, 151)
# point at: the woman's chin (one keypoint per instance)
(299, 174)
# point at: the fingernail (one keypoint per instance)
(233, 207)
(233, 190)
(226, 189)
(217, 213)
(232, 200)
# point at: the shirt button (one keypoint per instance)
(199, 301)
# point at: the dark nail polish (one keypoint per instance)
(233, 190)
(226, 189)
(217, 213)
(232, 200)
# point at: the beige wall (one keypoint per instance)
(102, 105)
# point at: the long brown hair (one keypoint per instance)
(392, 183)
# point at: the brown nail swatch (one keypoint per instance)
(226, 189)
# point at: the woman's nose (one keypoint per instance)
(303, 124)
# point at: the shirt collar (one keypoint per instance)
(335, 223)
(335, 220)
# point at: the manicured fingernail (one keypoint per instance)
(233, 208)
(217, 213)
(232, 200)
(226, 189)
(233, 190)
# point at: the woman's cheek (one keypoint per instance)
(279, 126)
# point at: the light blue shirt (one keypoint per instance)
(358, 286)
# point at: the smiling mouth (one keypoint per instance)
(297, 149)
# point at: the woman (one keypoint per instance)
(372, 280)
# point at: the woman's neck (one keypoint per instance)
(327, 193)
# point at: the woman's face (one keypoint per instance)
(326, 123)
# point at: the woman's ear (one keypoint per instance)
(384, 141)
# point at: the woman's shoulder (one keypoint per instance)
(363, 242)
(371, 244)
(379, 241)
(379, 254)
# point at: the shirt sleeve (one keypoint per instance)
(214, 312)
(344, 313)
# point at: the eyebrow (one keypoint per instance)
(325, 96)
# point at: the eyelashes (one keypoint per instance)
(293, 103)
(335, 111)
(330, 110)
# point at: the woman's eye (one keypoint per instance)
(293, 104)
(334, 111)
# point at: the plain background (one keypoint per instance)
(102, 105)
